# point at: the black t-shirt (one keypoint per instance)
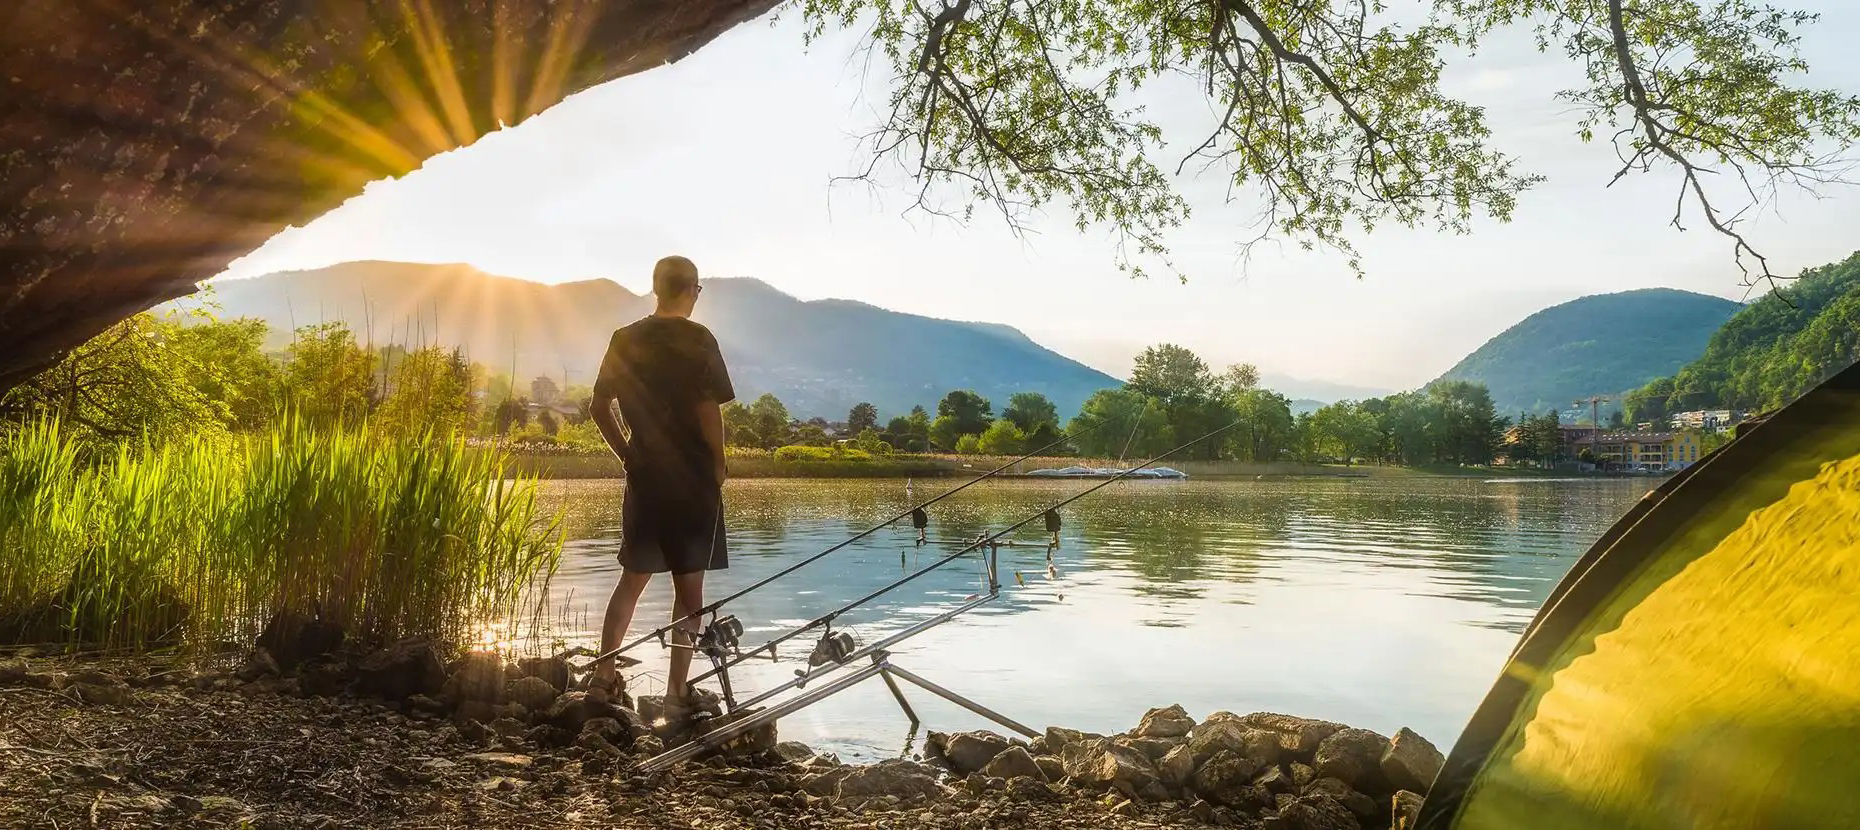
(659, 369)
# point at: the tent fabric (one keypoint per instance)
(1699, 666)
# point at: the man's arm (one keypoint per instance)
(609, 424)
(710, 421)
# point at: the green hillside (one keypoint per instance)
(1598, 345)
(1770, 352)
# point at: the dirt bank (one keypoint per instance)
(145, 743)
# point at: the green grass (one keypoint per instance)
(194, 542)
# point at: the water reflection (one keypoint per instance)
(1381, 602)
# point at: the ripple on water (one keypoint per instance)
(1380, 602)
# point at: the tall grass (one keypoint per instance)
(198, 541)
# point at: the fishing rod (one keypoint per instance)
(659, 633)
(983, 541)
(835, 653)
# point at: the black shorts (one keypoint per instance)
(664, 530)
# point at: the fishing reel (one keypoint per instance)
(920, 520)
(721, 638)
(834, 647)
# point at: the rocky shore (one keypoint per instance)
(320, 737)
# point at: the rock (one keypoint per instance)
(592, 741)
(550, 736)
(1353, 756)
(478, 676)
(970, 751)
(1202, 811)
(14, 672)
(1013, 763)
(1176, 767)
(648, 745)
(826, 783)
(572, 710)
(762, 738)
(1038, 747)
(1405, 810)
(474, 710)
(293, 637)
(324, 677)
(512, 710)
(98, 694)
(509, 727)
(1029, 790)
(1275, 780)
(1316, 812)
(426, 706)
(612, 730)
(501, 759)
(535, 693)
(1151, 748)
(793, 751)
(257, 664)
(1259, 747)
(1170, 722)
(551, 670)
(96, 677)
(1227, 778)
(1410, 762)
(1106, 765)
(1297, 736)
(1360, 805)
(1054, 769)
(1303, 774)
(911, 782)
(1058, 738)
(406, 668)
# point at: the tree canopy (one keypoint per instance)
(1330, 113)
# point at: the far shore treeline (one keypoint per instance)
(154, 379)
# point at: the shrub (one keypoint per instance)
(834, 453)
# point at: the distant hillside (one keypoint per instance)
(819, 357)
(1603, 344)
(1773, 350)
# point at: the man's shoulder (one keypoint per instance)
(662, 331)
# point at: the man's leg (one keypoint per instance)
(688, 596)
(620, 609)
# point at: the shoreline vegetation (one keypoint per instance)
(569, 464)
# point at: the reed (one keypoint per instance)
(198, 541)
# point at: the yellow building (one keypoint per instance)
(1642, 450)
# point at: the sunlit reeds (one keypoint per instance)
(201, 541)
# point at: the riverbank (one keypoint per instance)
(145, 742)
(572, 465)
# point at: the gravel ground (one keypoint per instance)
(142, 744)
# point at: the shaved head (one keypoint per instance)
(673, 276)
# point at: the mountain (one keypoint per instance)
(1597, 345)
(819, 357)
(1318, 392)
(1771, 351)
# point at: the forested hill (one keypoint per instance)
(1770, 352)
(1604, 344)
(819, 357)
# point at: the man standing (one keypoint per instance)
(667, 377)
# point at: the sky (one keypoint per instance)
(728, 157)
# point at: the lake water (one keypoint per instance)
(1377, 602)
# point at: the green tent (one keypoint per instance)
(1699, 667)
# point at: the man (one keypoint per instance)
(667, 377)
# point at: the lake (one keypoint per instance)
(1379, 602)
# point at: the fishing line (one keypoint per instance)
(980, 542)
(711, 608)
